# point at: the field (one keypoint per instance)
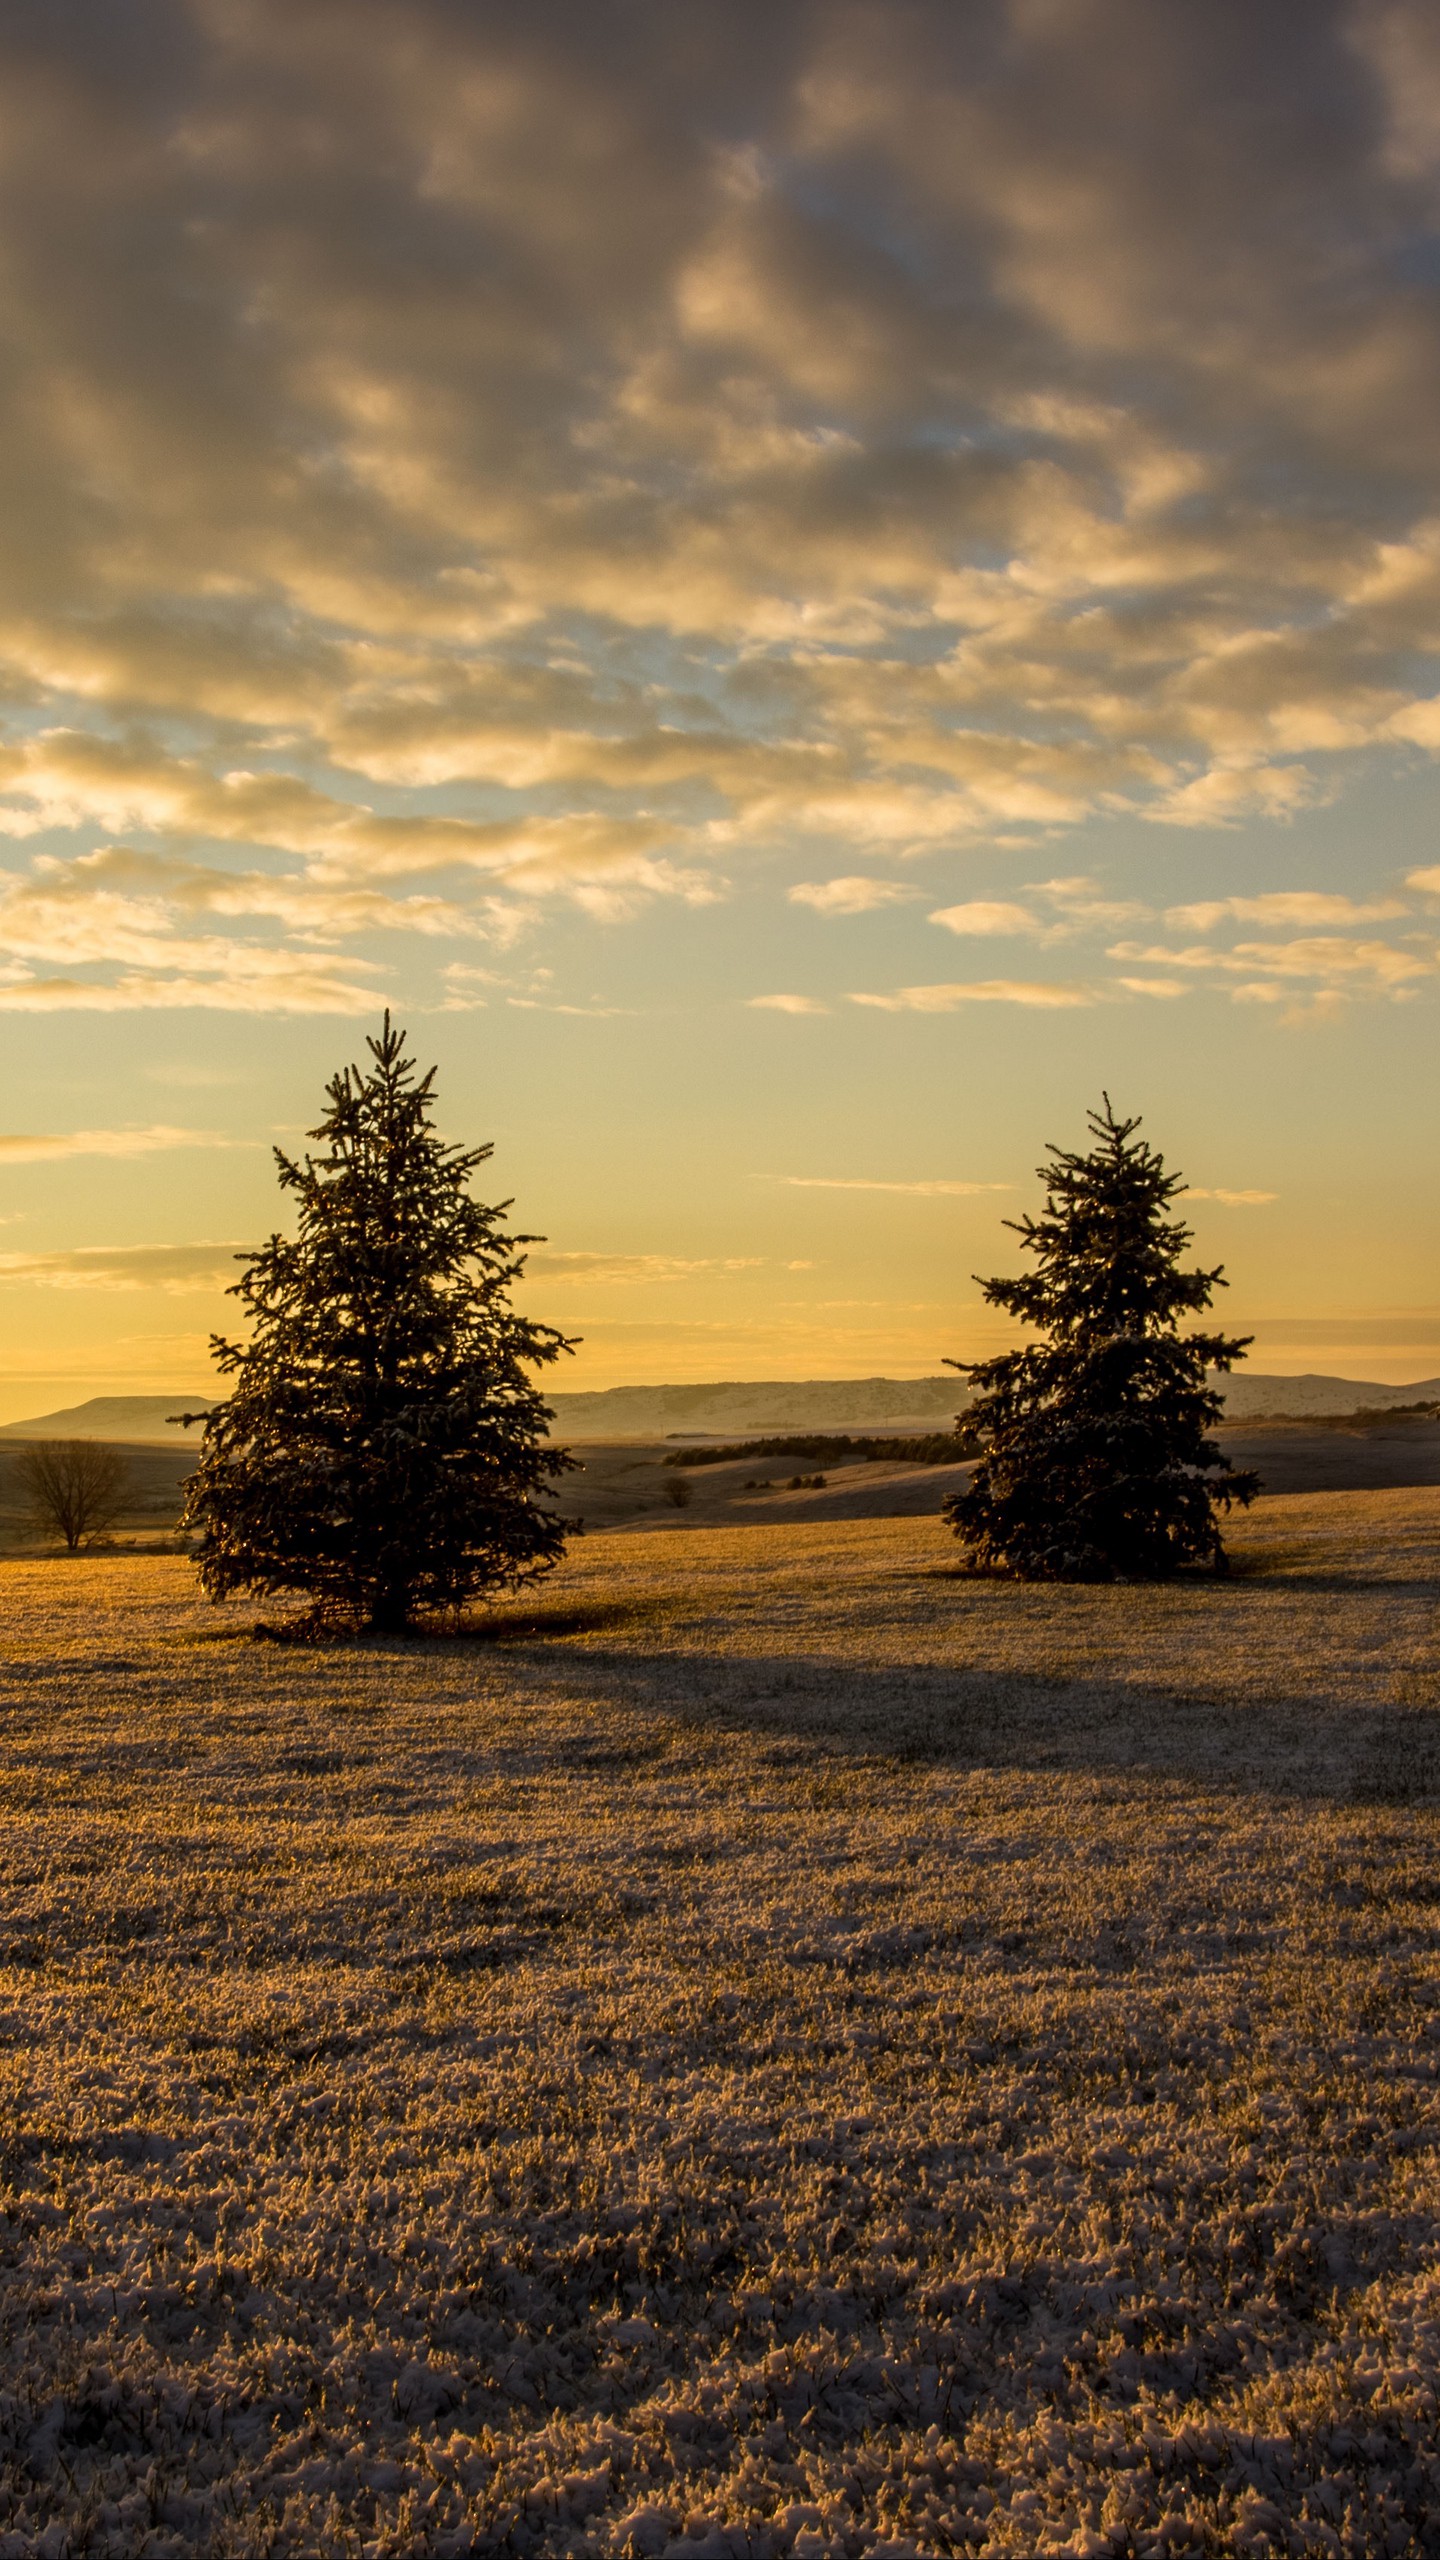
(629, 1483)
(774, 2049)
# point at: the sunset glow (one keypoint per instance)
(798, 592)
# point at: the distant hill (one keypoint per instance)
(1249, 1392)
(894, 1404)
(738, 1405)
(735, 1406)
(115, 1418)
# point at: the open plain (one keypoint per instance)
(771, 2048)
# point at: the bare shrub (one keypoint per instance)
(678, 1493)
(73, 1487)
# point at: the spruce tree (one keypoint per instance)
(1095, 1462)
(383, 1446)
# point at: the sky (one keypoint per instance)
(800, 589)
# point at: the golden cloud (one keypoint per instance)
(626, 1269)
(178, 1269)
(108, 1142)
(542, 470)
(987, 916)
(1047, 995)
(853, 894)
(920, 1190)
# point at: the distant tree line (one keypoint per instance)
(925, 1449)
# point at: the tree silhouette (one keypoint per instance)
(1095, 1461)
(72, 1487)
(383, 1446)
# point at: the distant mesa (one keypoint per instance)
(759, 1405)
(1250, 1392)
(732, 1407)
(117, 1418)
(735, 1407)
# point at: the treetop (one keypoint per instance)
(1108, 1256)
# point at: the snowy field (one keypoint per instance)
(786, 2051)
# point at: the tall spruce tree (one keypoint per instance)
(1096, 1464)
(383, 1446)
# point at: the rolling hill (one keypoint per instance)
(733, 1407)
(115, 1418)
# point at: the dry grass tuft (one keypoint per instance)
(777, 2050)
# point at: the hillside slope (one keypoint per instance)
(731, 1409)
(734, 1406)
(115, 1418)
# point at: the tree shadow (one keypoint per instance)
(1266, 1570)
(500, 1626)
(918, 1713)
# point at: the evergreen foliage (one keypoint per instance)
(382, 1448)
(1096, 1463)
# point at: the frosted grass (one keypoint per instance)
(786, 2052)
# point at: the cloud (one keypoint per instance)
(786, 1004)
(1340, 965)
(549, 1004)
(627, 1268)
(1079, 901)
(1388, 1329)
(533, 459)
(1287, 906)
(1381, 965)
(179, 1269)
(1045, 994)
(289, 985)
(921, 1190)
(1231, 1199)
(530, 991)
(853, 894)
(987, 915)
(108, 1142)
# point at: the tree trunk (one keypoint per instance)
(390, 1612)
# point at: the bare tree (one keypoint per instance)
(74, 1487)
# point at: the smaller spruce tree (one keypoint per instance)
(383, 1448)
(1095, 1462)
